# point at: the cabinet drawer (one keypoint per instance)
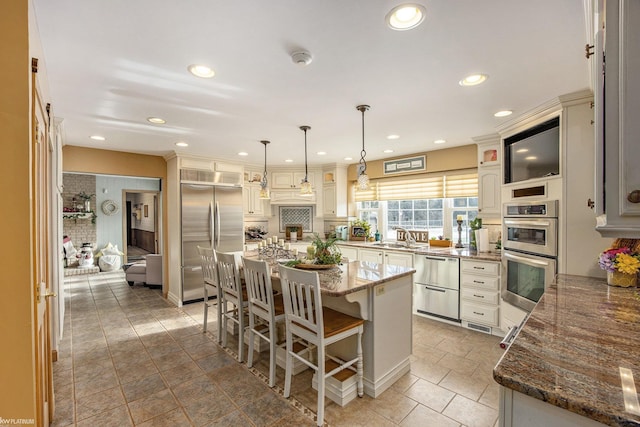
(485, 282)
(480, 267)
(479, 295)
(481, 314)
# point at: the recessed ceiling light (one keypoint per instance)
(503, 113)
(388, 151)
(530, 158)
(439, 141)
(97, 138)
(348, 158)
(393, 136)
(182, 144)
(522, 150)
(156, 120)
(321, 153)
(474, 79)
(243, 153)
(288, 161)
(200, 70)
(405, 16)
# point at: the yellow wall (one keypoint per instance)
(17, 366)
(91, 160)
(464, 157)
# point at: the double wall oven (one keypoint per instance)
(530, 251)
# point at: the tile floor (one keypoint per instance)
(128, 357)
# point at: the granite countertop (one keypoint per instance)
(353, 276)
(428, 250)
(572, 348)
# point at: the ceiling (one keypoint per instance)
(112, 64)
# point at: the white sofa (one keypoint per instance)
(149, 271)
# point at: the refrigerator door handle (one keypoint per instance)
(211, 224)
(217, 225)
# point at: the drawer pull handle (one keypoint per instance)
(478, 268)
(479, 314)
(478, 296)
(478, 281)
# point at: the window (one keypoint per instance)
(423, 202)
(438, 216)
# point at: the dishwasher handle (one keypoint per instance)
(435, 289)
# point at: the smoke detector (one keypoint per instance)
(301, 58)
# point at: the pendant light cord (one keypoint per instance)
(363, 153)
(264, 174)
(305, 129)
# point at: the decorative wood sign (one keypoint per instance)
(421, 236)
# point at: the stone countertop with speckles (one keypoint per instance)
(425, 249)
(570, 350)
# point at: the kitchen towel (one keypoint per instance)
(482, 240)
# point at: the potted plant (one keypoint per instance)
(86, 198)
(622, 265)
(360, 230)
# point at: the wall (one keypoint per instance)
(79, 230)
(17, 358)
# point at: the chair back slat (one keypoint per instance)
(228, 274)
(302, 301)
(208, 263)
(259, 288)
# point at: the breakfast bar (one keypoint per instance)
(381, 295)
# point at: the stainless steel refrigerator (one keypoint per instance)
(211, 217)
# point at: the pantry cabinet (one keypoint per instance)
(617, 97)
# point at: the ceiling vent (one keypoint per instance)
(301, 58)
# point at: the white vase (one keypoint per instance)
(87, 205)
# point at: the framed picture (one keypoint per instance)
(146, 211)
(357, 233)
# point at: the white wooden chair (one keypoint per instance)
(232, 292)
(210, 278)
(307, 319)
(266, 310)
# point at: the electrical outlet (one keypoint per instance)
(379, 290)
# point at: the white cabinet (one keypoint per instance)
(334, 191)
(253, 204)
(283, 197)
(489, 175)
(617, 105)
(398, 258)
(371, 255)
(348, 252)
(284, 180)
(480, 294)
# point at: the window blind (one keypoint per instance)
(432, 186)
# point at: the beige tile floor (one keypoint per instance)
(128, 357)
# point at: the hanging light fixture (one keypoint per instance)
(363, 178)
(305, 185)
(264, 186)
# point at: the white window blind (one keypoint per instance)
(432, 186)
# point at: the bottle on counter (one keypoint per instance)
(377, 235)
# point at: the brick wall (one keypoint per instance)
(80, 230)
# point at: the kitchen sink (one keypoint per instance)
(394, 245)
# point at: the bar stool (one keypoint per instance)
(210, 278)
(232, 292)
(306, 318)
(266, 310)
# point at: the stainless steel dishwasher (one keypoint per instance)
(437, 286)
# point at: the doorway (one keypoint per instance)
(140, 231)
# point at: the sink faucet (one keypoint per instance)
(408, 238)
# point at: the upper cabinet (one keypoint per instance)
(288, 180)
(334, 191)
(489, 168)
(617, 99)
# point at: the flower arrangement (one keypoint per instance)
(622, 260)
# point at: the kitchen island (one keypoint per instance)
(382, 296)
(575, 361)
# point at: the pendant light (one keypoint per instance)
(363, 178)
(264, 187)
(305, 185)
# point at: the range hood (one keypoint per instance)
(291, 198)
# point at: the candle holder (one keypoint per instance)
(459, 244)
(274, 252)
